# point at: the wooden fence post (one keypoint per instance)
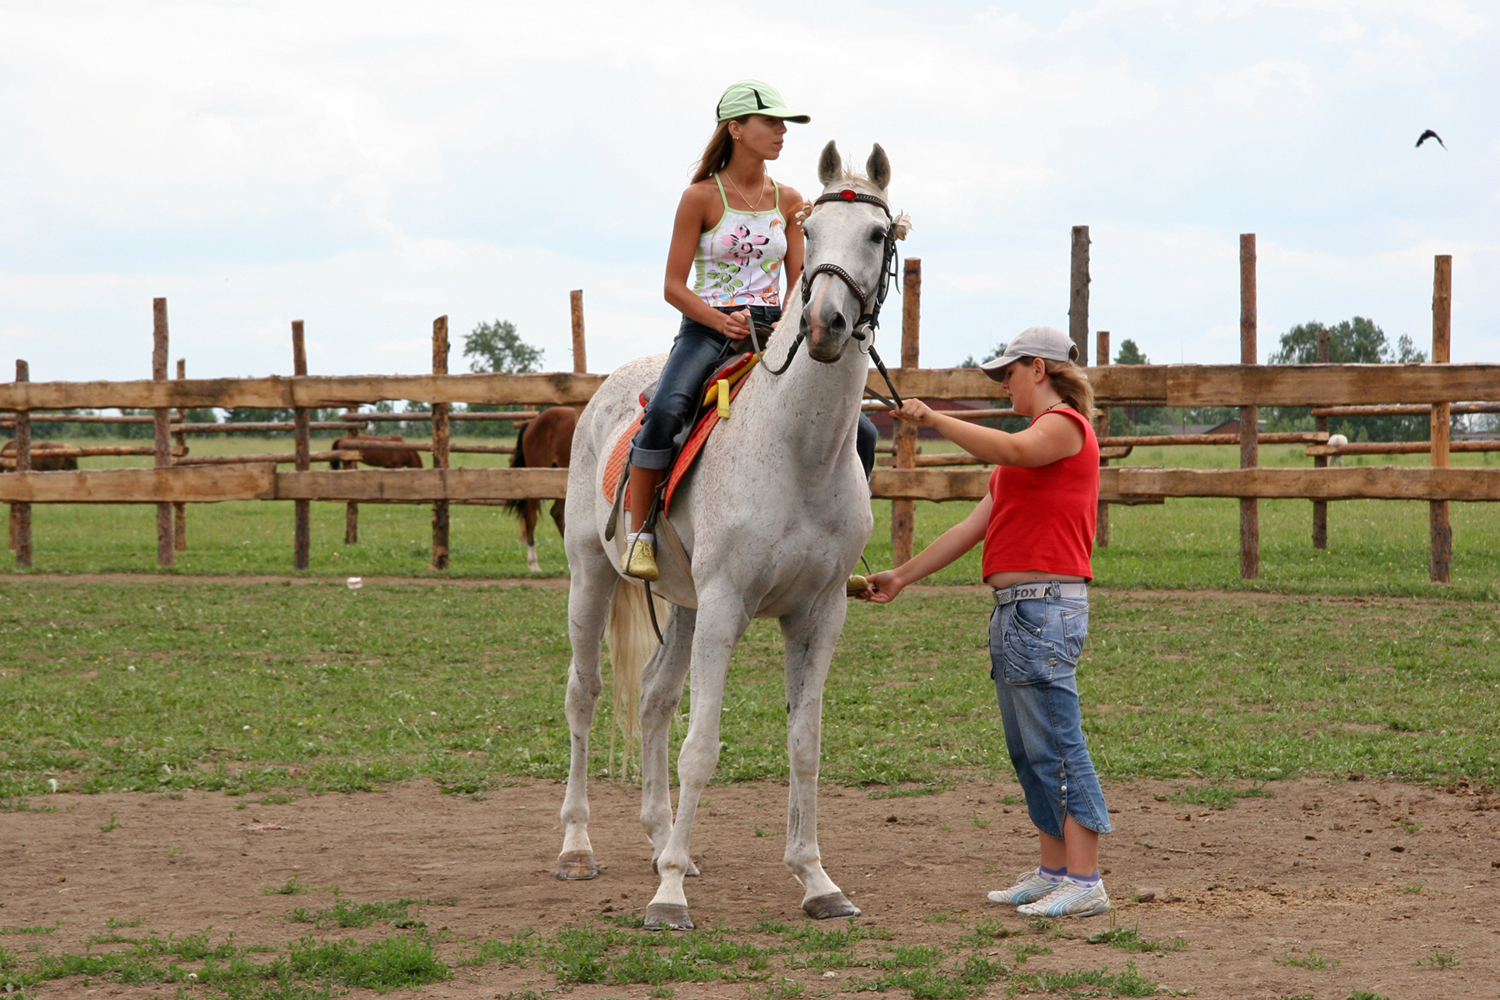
(580, 352)
(351, 507)
(580, 357)
(1440, 555)
(302, 448)
(166, 543)
(1078, 298)
(1101, 429)
(1320, 507)
(20, 513)
(904, 512)
(440, 444)
(1249, 415)
(179, 439)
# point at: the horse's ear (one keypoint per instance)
(878, 168)
(830, 164)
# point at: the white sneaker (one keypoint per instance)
(1069, 900)
(1032, 885)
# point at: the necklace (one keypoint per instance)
(1060, 402)
(737, 191)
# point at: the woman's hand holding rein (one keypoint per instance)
(737, 325)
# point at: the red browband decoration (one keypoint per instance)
(847, 194)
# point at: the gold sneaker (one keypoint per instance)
(640, 561)
(856, 584)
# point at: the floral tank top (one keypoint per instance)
(739, 261)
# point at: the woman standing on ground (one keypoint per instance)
(735, 233)
(1037, 526)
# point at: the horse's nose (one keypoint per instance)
(826, 338)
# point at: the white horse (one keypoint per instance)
(771, 523)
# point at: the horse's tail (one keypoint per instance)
(518, 461)
(631, 641)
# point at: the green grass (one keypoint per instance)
(304, 970)
(1219, 795)
(1312, 960)
(1129, 939)
(770, 959)
(1375, 547)
(342, 914)
(252, 688)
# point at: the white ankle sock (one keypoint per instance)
(643, 536)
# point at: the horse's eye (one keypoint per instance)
(878, 236)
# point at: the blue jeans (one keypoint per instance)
(697, 350)
(1034, 649)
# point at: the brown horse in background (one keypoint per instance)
(40, 460)
(381, 458)
(543, 443)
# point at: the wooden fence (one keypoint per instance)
(1247, 385)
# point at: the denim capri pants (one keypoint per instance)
(1034, 649)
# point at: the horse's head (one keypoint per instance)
(849, 248)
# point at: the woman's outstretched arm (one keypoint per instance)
(947, 547)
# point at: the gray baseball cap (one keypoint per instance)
(1046, 342)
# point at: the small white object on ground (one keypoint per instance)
(355, 583)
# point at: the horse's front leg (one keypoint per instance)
(661, 693)
(720, 623)
(589, 594)
(810, 640)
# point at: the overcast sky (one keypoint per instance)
(369, 166)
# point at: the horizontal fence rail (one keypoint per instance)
(1114, 385)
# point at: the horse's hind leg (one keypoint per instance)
(557, 516)
(810, 640)
(661, 693)
(589, 594)
(529, 513)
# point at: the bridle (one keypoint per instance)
(869, 315)
(869, 303)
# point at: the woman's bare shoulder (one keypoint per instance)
(700, 202)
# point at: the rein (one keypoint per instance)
(869, 304)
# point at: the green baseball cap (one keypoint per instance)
(751, 97)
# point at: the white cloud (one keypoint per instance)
(368, 167)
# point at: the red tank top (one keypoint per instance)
(1043, 518)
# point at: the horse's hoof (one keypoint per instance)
(668, 917)
(835, 904)
(577, 865)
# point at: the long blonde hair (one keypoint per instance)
(718, 151)
(1072, 384)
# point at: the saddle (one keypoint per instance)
(722, 386)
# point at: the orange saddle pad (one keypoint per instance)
(615, 467)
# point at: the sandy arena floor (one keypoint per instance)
(1336, 867)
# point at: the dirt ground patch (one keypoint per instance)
(1373, 875)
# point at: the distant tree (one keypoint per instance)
(1129, 354)
(496, 347)
(1138, 419)
(969, 362)
(1354, 341)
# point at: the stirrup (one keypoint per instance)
(856, 584)
(640, 561)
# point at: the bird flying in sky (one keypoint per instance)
(1430, 134)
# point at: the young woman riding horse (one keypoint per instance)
(734, 233)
